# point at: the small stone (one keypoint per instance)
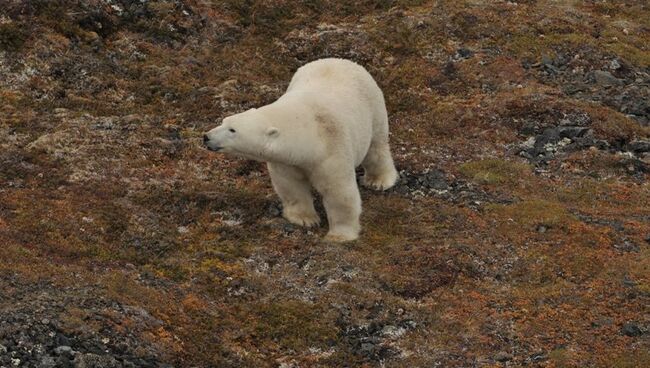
(538, 357)
(3, 349)
(63, 350)
(503, 356)
(275, 210)
(628, 282)
(61, 340)
(541, 229)
(614, 65)
(631, 329)
(367, 348)
(628, 246)
(606, 79)
(47, 362)
(464, 53)
(288, 228)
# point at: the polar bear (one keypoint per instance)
(331, 119)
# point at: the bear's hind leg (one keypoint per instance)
(379, 170)
(294, 190)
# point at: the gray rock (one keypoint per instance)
(572, 131)
(628, 246)
(47, 362)
(367, 348)
(63, 350)
(435, 179)
(3, 349)
(631, 329)
(95, 361)
(614, 65)
(606, 79)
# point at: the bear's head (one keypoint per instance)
(247, 134)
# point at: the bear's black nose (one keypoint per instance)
(205, 138)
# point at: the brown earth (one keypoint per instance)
(519, 234)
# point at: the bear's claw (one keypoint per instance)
(306, 220)
(380, 182)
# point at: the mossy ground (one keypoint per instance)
(104, 184)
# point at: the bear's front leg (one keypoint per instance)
(294, 190)
(336, 182)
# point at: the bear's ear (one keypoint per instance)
(272, 132)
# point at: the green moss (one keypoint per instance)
(632, 360)
(494, 171)
(559, 357)
(295, 325)
(531, 213)
(536, 45)
(631, 53)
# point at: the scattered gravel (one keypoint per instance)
(36, 329)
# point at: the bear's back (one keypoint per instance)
(330, 75)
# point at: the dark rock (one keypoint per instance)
(549, 135)
(572, 131)
(62, 340)
(275, 210)
(289, 228)
(529, 128)
(606, 79)
(639, 146)
(435, 179)
(63, 362)
(631, 329)
(463, 53)
(628, 282)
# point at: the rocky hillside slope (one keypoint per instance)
(519, 234)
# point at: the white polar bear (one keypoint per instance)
(331, 119)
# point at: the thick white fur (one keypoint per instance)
(331, 119)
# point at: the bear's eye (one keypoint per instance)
(231, 130)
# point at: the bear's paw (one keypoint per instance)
(301, 218)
